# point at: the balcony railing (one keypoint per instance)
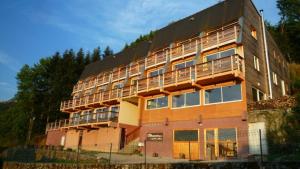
(222, 36)
(82, 120)
(226, 65)
(219, 37)
(201, 72)
(157, 58)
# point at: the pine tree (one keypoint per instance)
(87, 59)
(107, 52)
(96, 54)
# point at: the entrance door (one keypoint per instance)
(186, 144)
(210, 145)
(122, 139)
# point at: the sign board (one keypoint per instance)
(155, 136)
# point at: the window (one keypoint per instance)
(253, 32)
(159, 102)
(186, 99)
(257, 95)
(115, 109)
(186, 135)
(283, 90)
(223, 94)
(118, 85)
(156, 73)
(184, 65)
(231, 93)
(220, 143)
(256, 63)
(275, 78)
(227, 142)
(218, 55)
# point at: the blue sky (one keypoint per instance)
(32, 29)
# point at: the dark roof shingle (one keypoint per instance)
(191, 26)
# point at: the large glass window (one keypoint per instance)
(220, 55)
(231, 93)
(159, 102)
(186, 135)
(227, 142)
(221, 143)
(184, 65)
(186, 99)
(223, 94)
(213, 95)
(156, 73)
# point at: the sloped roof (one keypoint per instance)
(124, 57)
(191, 26)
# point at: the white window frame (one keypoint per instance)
(275, 80)
(185, 62)
(256, 63)
(185, 106)
(146, 103)
(257, 94)
(157, 70)
(222, 102)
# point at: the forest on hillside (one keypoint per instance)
(42, 86)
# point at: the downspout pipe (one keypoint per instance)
(266, 54)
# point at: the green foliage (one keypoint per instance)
(147, 37)
(107, 52)
(286, 32)
(41, 88)
(96, 54)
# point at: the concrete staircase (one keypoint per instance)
(130, 148)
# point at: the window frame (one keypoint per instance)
(275, 78)
(156, 70)
(257, 95)
(222, 99)
(256, 63)
(155, 98)
(185, 64)
(185, 94)
(219, 54)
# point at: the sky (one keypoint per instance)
(32, 29)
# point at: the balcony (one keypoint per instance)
(136, 68)
(103, 78)
(215, 71)
(157, 58)
(119, 73)
(225, 35)
(89, 121)
(220, 37)
(97, 99)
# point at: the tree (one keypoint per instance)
(87, 59)
(287, 30)
(107, 52)
(96, 54)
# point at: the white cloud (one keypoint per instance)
(115, 22)
(9, 62)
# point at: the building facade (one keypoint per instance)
(185, 90)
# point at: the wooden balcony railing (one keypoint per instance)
(219, 67)
(194, 73)
(119, 73)
(222, 36)
(157, 58)
(87, 119)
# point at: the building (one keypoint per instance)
(189, 86)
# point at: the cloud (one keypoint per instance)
(113, 22)
(9, 62)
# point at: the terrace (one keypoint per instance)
(211, 72)
(90, 121)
